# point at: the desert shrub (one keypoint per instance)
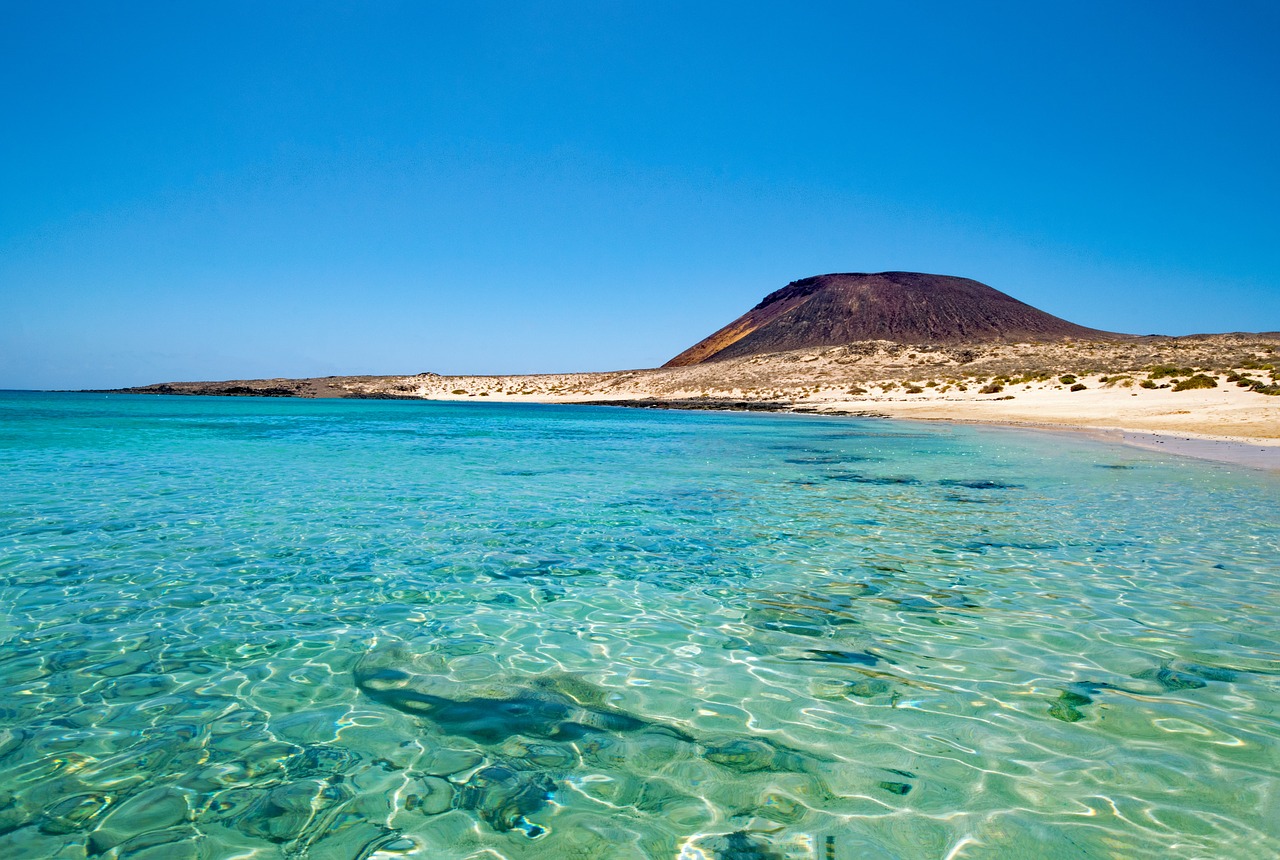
(1160, 371)
(914, 389)
(991, 388)
(1147, 383)
(1067, 379)
(1262, 388)
(1197, 381)
(459, 391)
(1079, 386)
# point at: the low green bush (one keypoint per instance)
(1160, 371)
(1079, 386)
(1194, 382)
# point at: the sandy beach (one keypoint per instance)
(1227, 423)
(1142, 393)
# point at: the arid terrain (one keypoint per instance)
(901, 307)
(1144, 384)
(905, 345)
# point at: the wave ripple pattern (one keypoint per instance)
(265, 629)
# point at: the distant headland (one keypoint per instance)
(903, 344)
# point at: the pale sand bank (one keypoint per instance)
(1023, 385)
(1227, 423)
(1241, 453)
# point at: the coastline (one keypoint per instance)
(1214, 397)
(1259, 454)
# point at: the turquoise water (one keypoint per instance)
(278, 628)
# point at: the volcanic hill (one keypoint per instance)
(906, 307)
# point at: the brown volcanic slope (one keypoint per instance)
(906, 307)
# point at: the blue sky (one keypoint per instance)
(222, 190)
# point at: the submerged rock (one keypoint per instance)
(867, 688)
(875, 480)
(558, 708)
(78, 812)
(13, 812)
(287, 812)
(753, 755)
(435, 795)
(848, 658)
(1066, 708)
(899, 788)
(320, 761)
(503, 797)
(1170, 680)
(1077, 695)
(980, 485)
(153, 809)
(739, 845)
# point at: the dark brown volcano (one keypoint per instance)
(907, 307)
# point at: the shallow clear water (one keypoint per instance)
(279, 628)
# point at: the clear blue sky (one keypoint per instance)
(218, 190)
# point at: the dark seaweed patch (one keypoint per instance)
(899, 788)
(536, 713)
(932, 601)
(984, 545)
(982, 484)
(848, 658)
(877, 480)
(1210, 673)
(831, 459)
(1078, 695)
(812, 614)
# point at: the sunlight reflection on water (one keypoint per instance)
(336, 629)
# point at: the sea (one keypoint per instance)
(275, 628)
